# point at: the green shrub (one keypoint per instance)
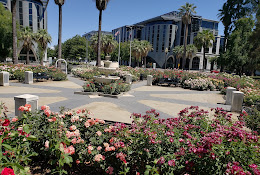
(252, 119)
(19, 75)
(58, 76)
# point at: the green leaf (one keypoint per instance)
(32, 138)
(8, 147)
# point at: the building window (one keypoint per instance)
(21, 13)
(207, 24)
(170, 38)
(153, 37)
(163, 39)
(30, 16)
(157, 38)
(38, 16)
(148, 38)
(43, 19)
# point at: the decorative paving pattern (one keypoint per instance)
(168, 101)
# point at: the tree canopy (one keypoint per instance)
(5, 32)
(74, 48)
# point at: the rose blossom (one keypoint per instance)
(47, 144)
(99, 133)
(99, 148)
(171, 162)
(98, 157)
(73, 127)
(110, 170)
(7, 171)
(14, 119)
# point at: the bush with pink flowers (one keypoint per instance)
(189, 143)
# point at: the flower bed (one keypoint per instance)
(16, 72)
(113, 88)
(187, 144)
(199, 84)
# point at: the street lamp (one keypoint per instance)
(131, 28)
(166, 51)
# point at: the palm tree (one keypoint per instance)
(43, 38)
(137, 51)
(203, 40)
(15, 58)
(186, 10)
(191, 49)
(101, 5)
(178, 52)
(60, 3)
(108, 44)
(146, 48)
(27, 36)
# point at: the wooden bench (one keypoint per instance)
(42, 75)
(168, 81)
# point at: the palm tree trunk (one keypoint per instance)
(145, 62)
(99, 40)
(27, 57)
(15, 58)
(185, 45)
(60, 32)
(204, 56)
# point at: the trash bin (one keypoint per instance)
(141, 77)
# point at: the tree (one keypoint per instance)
(137, 51)
(15, 58)
(101, 5)
(191, 49)
(60, 3)
(51, 52)
(146, 48)
(254, 53)
(74, 48)
(203, 40)
(108, 44)
(5, 32)
(178, 52)
(232, 10)
(27, 37)
(187, 11)
(239, 46)
(124, 52)
(43, 38)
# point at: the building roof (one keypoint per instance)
(171, 16)
(93, 32)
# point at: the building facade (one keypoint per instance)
(167, 31)
(30, 13)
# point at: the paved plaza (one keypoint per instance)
(168, 101)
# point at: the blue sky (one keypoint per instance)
(80, 16)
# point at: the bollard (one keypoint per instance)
(149, 80)
(21, 100)
(237, 101)
(129, 79)
(4, 78)
(28, 77)
(229, 95)
(154, 65)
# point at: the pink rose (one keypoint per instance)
(7, 171)
(99, 157)
(110, 170)
(99, 133)
(73, 127)
(14, 119)
(99, 148)
(47, 144)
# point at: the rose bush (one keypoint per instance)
(17, 71)
(190, 143)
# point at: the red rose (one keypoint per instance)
(7, 171)
(6, 122)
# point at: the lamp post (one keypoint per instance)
(166, 51)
